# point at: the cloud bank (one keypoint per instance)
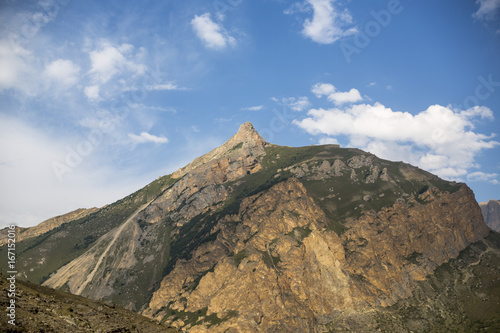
(439, 139)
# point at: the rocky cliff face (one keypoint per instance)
(277, 266)
(491, 214)
(256, 237)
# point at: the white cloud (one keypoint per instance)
(487, 9)
(108, 61)
(482, 111)
(323, 89)
(92, 92)
(438, 139)
(16, 69)
(253, 108)
(104, 121)
(213, 35)
(337, 97)
(63, 71)
(143, 107)
(483, 177)
(296, 104)
(164, 86)
(326, 25)
(328, 141)
(146, 137)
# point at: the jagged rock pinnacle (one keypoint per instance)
(247, 139)
(247, 135)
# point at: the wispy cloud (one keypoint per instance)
(145, 137)
(483, 177)
(92, 92)
(294, 103)
(253, 108)
(108, 60)
(212, 34)
(63, 71)
(143, 107)
(16, 67)
(327, 23)
(164, 86)
(487, 9)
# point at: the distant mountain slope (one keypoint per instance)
(255, 237)
(47, 225)
(41, 309)
(491, 214)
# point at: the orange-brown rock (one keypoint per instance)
(279, 268)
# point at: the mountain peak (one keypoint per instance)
(247, 138)
(246, 127)
(247, 135)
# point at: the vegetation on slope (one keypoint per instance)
(41, 309)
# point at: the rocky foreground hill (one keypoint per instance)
(491, 214)
(41, 309)
(255, 237)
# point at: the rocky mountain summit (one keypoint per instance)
(491, 214)
(256, 237)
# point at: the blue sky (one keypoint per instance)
(98, 98)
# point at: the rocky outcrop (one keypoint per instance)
(491, 214)
(390, 250)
